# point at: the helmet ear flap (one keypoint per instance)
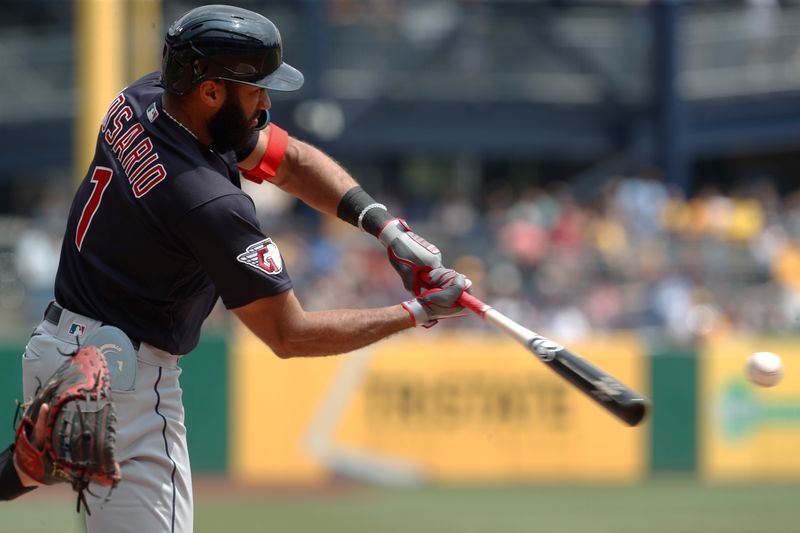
(181, 70)
(176, 71)
(182, 83)
(199, 68)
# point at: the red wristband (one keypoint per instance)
(273, 155)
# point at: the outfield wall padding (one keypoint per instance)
(674, 419)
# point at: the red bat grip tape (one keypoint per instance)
(473, 304)
(466, 299)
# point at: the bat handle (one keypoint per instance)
(466, 299)
(474, 304)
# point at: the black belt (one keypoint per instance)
(53, 315)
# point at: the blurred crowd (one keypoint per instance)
(634, 255)
(638, 255)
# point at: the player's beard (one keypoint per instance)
(229, 128)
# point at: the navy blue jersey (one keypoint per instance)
(160, 228)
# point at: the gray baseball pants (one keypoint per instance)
(155, 494)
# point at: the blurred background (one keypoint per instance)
(621, 176)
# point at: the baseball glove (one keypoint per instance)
(81, 427)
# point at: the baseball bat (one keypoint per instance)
(605, 390)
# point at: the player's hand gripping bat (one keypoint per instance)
(621, 401)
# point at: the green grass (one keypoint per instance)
(662, 505)
(35, 515)
(667, 505)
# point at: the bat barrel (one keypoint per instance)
(621, 401)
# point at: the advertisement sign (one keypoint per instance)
(431, 407)
(748, 432)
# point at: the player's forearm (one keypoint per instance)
(320, 333)
(314, 177)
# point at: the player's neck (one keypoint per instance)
(178, 110)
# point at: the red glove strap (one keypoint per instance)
(273, 155)
(26, 456)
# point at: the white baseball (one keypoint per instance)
(764, 369)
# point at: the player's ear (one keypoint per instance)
(212, 93)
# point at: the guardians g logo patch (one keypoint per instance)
(263, 256)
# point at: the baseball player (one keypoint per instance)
(159, 229)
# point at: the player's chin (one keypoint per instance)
(239, 137)
(223, 145)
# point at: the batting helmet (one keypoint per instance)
(225, 43)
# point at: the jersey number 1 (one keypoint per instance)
(101, 177)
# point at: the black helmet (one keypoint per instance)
(225, 43)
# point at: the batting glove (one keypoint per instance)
(409, 254)
(440, 300)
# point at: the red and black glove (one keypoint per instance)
(81, 427)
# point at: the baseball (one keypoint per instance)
(764, 369)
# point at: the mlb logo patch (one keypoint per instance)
(152, 112)
(263, 256)
(76, 329)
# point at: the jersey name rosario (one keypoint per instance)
(159, 229)
(140, 164)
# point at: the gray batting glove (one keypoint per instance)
(410, 254)
(440, 300)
